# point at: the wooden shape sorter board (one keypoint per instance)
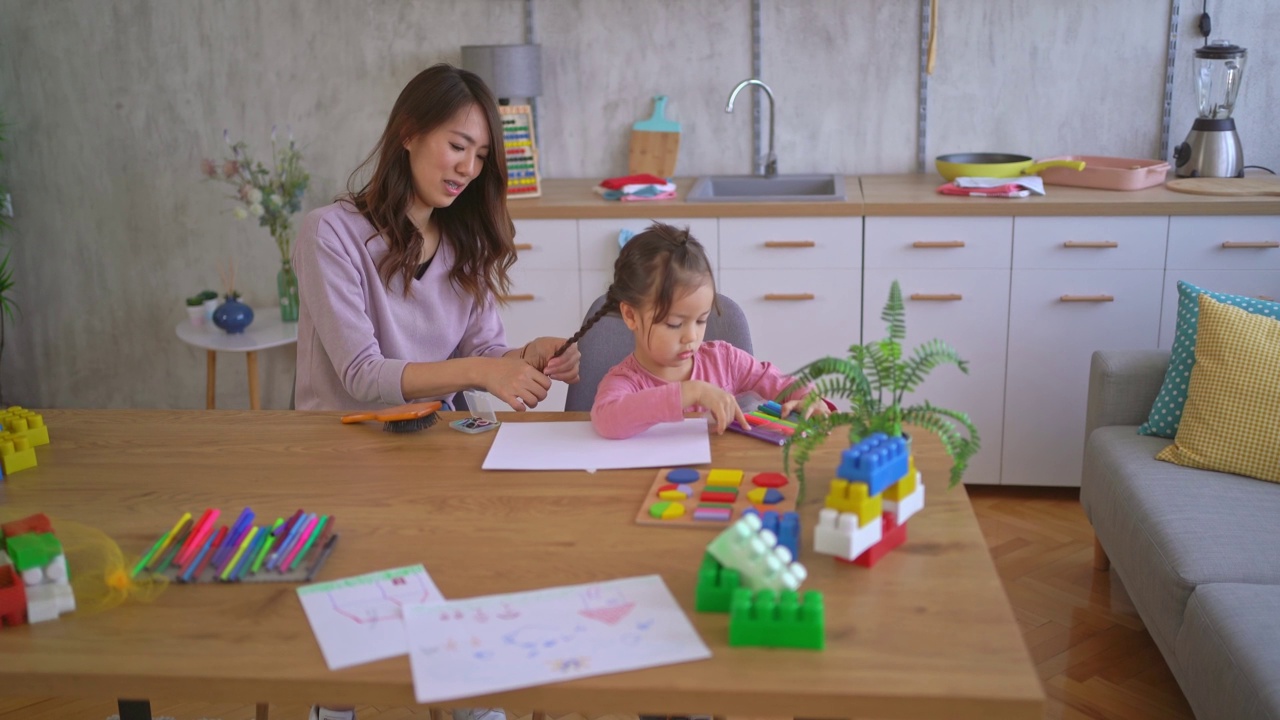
(722, 494)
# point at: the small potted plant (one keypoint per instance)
(200, 307)
(873, 379)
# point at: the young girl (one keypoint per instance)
(663, 288)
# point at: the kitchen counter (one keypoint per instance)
(912, 195)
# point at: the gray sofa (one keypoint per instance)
(1198, 551)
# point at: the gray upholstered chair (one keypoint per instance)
(609, 342)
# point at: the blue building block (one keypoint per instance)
(786, 527)
(879, 461)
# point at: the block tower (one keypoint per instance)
(21, 430)
(877, 489)
(34, 584)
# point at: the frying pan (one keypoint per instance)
(998, 165)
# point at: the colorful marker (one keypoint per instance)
(183, 523)
(231, 564)
(238, 571)
(324, 555)
(174, 547)
(204, 530)
(154, 548)
(310, 541)
(216, 543)
(305, 535)
(275, 560)
(191, 569)
(233, 538)
(266, 546)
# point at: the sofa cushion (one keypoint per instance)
(1233, 401)
(1228, 652)
(1168, 528)
(1166, 413)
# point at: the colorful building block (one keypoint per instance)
(894, 535)
(13, 595)
(903, 509)
(47, 602)
(716, 584)
(854, 498)
(754, 552)
(21, 421)
(33, 550)
(769, 619)
(16, 453)
(841, 534)
(786, 526)
(38, 523)
(878, 461)
(905, 485)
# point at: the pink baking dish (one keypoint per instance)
(1108, 173)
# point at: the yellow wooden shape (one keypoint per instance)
(666, 510)
(672, 495)
(724, 478)
(851, 497)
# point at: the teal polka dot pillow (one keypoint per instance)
(1167, 411)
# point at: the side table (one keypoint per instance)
(267, 331)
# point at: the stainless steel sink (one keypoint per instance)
(757, 188)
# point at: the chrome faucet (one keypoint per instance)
(767, 165)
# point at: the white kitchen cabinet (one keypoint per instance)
(954, 275)
(798, 281)
(598, 248)
(1234, 254)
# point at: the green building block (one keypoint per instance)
(769, 619)
(33, 550)
(716, 584)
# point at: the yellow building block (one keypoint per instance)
(903, 488)
(724, 478)
(16, 453)
(851, 497)
(21, 421)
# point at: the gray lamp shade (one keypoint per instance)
(509, 70)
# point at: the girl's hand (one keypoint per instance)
(564, 368)
(517, 383)
(721, 404)
(817, 407)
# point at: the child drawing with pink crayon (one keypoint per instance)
(664, 290)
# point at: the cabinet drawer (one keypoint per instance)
(797, 316)
(968, 309)
(1224, 243)
(775, 243)
(947, 242)
(1262, 284)
(1089, 243)
(598, 239)
(1051, 342)
(541, 303)
(546, 244)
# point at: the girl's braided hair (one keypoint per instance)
(653, 267)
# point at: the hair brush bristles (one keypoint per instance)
(413, 425)
(402, 419)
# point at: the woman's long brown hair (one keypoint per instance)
(477, 225)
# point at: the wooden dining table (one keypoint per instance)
(926, 633)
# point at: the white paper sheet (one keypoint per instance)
(490, 644)
(576, 446)
(360, 619)
(1034, 183)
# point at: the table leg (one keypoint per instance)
(255, 402)
(210, 380)
(264, 710)
(135, 709)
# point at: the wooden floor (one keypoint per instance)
(1093, 655)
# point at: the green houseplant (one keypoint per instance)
(874, 379)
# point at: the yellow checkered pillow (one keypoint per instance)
(1231, 422)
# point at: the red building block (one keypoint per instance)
(37, 523)
(13, 597)
(892, 536)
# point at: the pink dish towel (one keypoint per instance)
(1010, 190)
(640, 198)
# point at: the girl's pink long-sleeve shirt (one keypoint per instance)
(631, 399)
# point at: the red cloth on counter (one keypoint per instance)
(1009, 190)
(642, 179)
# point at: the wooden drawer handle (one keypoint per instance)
(517, 298)
(1093, 244)
(938, 244)
(1088, 298)
(789, 243)
(1257, 245)
(524, 246)
(938, 297)
(789, 296)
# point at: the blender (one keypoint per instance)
(1212, 148)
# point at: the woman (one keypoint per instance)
(399, 280)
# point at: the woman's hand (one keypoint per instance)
(722, 405)
(516, 382)
(564, 368)
(817, 407)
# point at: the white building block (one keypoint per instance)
(754, 552)
(42, 604)
(56, 571)
(909, 505)
(838, 534)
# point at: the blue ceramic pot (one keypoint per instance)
(233, 316)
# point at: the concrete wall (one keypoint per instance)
(111, 105)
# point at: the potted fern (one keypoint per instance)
(874, 378)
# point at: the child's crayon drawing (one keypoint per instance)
(575, 631)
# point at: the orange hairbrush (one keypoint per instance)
(403, 418)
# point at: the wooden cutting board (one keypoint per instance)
(655, 143)
(1226, 186)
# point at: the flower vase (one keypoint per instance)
(233, 316)
(287, 287)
